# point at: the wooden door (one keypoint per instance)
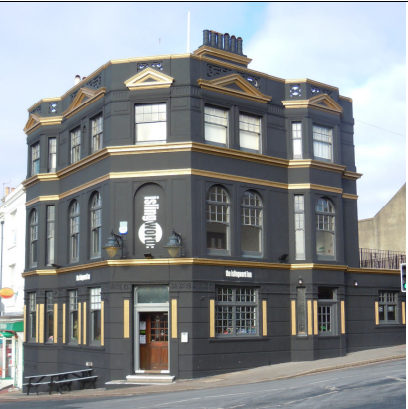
(154, 340)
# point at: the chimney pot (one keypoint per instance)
(7, 191)
(220, 37)
(239, 45)
(233, 44)
(77, 79)
(212, 39)
(206, 37)
(227, 46)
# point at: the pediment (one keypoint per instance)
(82, 98)
(324, 101)
(149, 79)
(236, 86)
(34, 121)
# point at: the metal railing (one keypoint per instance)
(370, 258)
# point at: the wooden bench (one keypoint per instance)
(61, 379)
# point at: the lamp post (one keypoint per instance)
(174, 246)
(114, 243)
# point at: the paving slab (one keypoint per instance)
(261, 374)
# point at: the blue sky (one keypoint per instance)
(358, 47)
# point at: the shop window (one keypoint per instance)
(218, 219)
(236, 312)
(96, 319)
(32, 316)
(299, 206)
(325, 232)
(216, 126)
(35, 159)
(50, 235)
(97, 133)
(49, 317)
(152, 294)
(387, 307)
(52, 154)
(151, 123)
(96, 224)
(76, 145)
(74, 232)
(327, 311)
(251, 224)
(322, 143)
(73, 316)
(249, 133)
(297, 140)
(33, 238)
(301, 310)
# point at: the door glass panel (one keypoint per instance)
(159, 330)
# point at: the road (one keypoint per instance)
(370, 387)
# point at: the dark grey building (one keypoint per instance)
(257, 175)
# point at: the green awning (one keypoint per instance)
(5, 334)
(12, 326)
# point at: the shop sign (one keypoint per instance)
(82, 277)
(6, 293)
(238, 274)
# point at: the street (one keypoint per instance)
(371, 386)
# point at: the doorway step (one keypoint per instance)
(139, 380)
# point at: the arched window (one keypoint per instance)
(96, 224)
(325, 232)
(218, 219)
(33, 238)
(251, 224)
(74, 232)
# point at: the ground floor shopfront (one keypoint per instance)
(11, 352)
(203, 317)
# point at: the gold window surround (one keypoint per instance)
(148, 78)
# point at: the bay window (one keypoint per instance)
(322, 143)
(325, 230)
(216, 126)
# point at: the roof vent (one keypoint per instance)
(223, 41)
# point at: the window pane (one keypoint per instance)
(150, 132)
(251, 238)
(96, 325)
(249, 140)
(324, 243)
(297, 148)
(217, 236)
(152, 294)
(214, 133)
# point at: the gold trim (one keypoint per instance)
(41, 329)
(313, 266)
(377, 315)
(293, 312)
(248, 90)
(372, 271)
(55, 323)
(84, 323)
(349, 196)
(125, 318)
(217, 53)
(343, 318)
(35, 121)
(321, 102)
(312, 186)
(403, 312)
(25, 324)
(148, 79)
(313, 82)
(315, 321)
(55, 99)
(345, 98)
(264, 319)
(37, 319)
(212, 318)
(80, 101)
(42, 199)
(351, 175)
(63, 323)
(174, 318)
(79, 323)
(309, 318)
(102, 323)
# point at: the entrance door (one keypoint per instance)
(154, 340)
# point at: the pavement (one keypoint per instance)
(265, 373)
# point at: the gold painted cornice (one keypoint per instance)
(311, 163)
(55, 99)
(312, 186)
(346, 98)
(349, 196)
(206, 262)
(352, 175)
(221, 85)
(320, 102)
(35, 121)
(148, 79)
(215, 52)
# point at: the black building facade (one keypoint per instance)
(254, 172)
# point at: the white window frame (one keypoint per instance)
(50, 249)
(252, 216)
(96, 133)
(73, 307)
(32, 324)
(251, 126)
(35, 159)
(326, 221)
(327, 307)
(74, 231)
(96, 224)
(297, 144)
(323, 140)
(95, 306)
(144, 117)
(52, 155)
(33, 238)
(216, 119)
(76, 145)
(300, 242)
(386, 300)
(49, 311)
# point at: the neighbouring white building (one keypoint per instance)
(12, 256)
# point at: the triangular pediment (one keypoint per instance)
(325, 102)
(149, 79)
(83, 97)
(236, 86)
(33, 122)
